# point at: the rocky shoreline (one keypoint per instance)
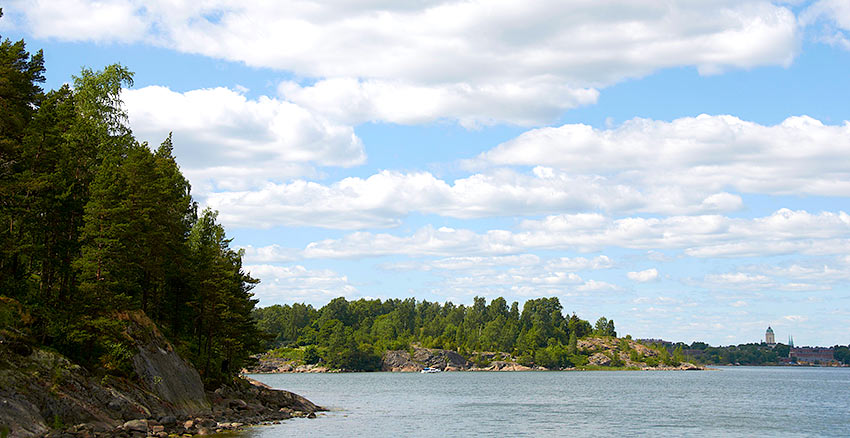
(601, 354)
(43, 394)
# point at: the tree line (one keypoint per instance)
(752, 354)
(94, 223)
(354, 334)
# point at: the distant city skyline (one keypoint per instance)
(680, 168)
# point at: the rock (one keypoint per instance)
(206, 422)
(158, 428)
(311, 415)
(188, 424)
(599, 359)
(161, 370)
(168, 420)
(398, 360)
(237, 404)
(136, 426)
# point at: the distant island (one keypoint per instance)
(409, 335)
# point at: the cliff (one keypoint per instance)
(42, 392)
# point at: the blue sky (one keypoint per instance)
(682, 168)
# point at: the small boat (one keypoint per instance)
(429, 370)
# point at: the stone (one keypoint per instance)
(238, 404)
(136, 426)
(168, 420)
(188, 424)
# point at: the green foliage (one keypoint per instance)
(604, 327)
(744, 354)
(842, 354)
(354, 334)
(94, 224)
(311, 355)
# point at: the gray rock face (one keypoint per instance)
(599, 359)
(162, 371)
(400, 360)
(172, 379)
(41, 388)
(20, 417)
(436, 358)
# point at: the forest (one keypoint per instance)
(353, 335)
(94, 223)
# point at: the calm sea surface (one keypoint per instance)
(729, 402)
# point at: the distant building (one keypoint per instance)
(769, 338)
(812, 355)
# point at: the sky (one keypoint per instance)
(680, 167)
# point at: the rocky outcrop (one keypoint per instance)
(442, 359)
(403, 361)
(162, 371)
(399, 360)
(42, 393)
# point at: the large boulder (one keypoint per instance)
(442, 359)
(399, 360)
(599, 359)
(162, 371)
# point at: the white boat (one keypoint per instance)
(429, 370)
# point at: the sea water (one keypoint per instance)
(727, 402)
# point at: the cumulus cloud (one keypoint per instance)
(644, 276)
(683, 167)
(385, 198)
(352, 101)
(782, 232)
(835, 17)
(705, 155)
(474, 61)
(282, 284)
(755, 282)
(224, 140)
(268, 254)
(597, 286)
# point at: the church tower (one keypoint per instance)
(769, 338)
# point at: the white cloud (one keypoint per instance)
(224, 140)
(385, 198)
(597, 286)
(268, 254)
(795, 318)
(683, 167)
(738, 280)
(705, 156)
(644, 276)
(298, 284)
(351, 101)
(84, 20)
(835, 17)
(474, 61)
(580, 263)
(783, 232)
(755, 282)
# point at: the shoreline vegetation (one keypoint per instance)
(123, 309)
(408, 335)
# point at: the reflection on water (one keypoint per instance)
(731, 402)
